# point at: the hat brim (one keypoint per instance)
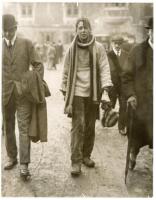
(148, 27)
(118, 41)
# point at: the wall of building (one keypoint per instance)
(43, 22)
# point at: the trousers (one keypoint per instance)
(22, 106)
(83, 128)
(122, 108)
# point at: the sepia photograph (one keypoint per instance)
(77, 99)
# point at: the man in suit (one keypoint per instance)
(117, 57)
(18, 55)
(137, 82)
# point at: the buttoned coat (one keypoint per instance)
(137, 80)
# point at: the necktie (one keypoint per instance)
(118, 53)
(10, 48)
(10, 44)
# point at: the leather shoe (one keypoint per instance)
(88, 162)
(75, 169)
(24, 172)
(10, 164)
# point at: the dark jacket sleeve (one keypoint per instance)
(128, 75)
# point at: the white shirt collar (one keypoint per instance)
(117, 53)
(150, 43)
(12, 41)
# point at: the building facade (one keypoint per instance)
(50, 22)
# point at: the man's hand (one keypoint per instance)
(133, 102)
(105, 101)
(106, 105)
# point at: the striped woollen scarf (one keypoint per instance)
(94, 73)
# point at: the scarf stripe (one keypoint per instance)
(73, 72)
(95, 97)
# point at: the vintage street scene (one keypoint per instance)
(77, 100)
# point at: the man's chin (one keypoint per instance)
(84, 37)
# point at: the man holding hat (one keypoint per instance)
(18, 55)
(137, 81)
(117, 57)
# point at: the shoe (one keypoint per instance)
(88, 162)
(123, 132)
(24, 172)
(10, 164)
(76, 169)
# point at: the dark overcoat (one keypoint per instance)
(35, 90)
(137, 80)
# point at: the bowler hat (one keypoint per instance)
(149, 24)
(8, 22)
(109, 118)
(117, 38)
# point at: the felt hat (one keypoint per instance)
(149, 24)
(8, 22)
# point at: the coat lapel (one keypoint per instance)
(15, 50)
(5, 51)
(10, 56)
(114, 60)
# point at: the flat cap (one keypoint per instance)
(117, 38)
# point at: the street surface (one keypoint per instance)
(50, 162)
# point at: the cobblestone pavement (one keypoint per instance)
(50, 162)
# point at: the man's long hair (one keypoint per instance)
(85, 21)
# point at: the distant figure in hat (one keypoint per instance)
(51, 54)
(60, 50)
(18, 54)
(137, 81)
(117, 57)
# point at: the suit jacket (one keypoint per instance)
(116, 68)
(15, 62)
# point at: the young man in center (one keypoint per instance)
(86, 77)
